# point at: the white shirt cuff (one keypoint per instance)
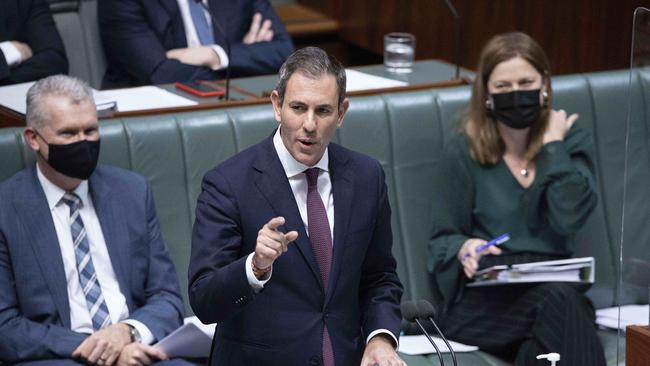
(383, 331)
(12, 55)
(146, 337)
(223, 57)
(256, 284)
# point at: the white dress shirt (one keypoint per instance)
(193, 38)
(11, 53)
(80, 320)
(294, 171)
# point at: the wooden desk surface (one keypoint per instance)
(637, 345)
(426, 74)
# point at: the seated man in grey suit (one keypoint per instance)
(84, 274)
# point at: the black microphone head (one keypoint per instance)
(409, 311)
(409, 328)
(425, 309)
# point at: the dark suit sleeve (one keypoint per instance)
(35, 28)
(21, 338)
(380, 290)
(262, 57)
(134, 44)
(218, 286)
(163, 307)
(133, 47)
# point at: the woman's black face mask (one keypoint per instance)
(517, 109)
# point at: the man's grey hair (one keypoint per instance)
(312, 62)
(76, 90)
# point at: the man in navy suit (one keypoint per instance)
(291, 247)
(30, 45)
(165, 41)
(84, 274)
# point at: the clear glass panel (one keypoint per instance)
(634, 254)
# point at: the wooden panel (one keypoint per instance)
(637, 346)
(578, 35)
(301, 20)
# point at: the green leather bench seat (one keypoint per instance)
(406, 132)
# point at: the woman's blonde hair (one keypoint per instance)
(485, 143)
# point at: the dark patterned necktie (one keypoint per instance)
(87, 275)
(321, 243)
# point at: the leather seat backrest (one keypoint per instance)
(406, 132)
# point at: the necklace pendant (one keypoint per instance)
(524, 172)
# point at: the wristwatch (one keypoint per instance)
(135, 335)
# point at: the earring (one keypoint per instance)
(488, 104)
(545, 98)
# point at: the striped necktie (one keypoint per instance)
(87, 275)
(320, 237)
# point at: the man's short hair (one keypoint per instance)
(76, 90)
(312, 62)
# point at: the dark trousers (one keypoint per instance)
(519, 322)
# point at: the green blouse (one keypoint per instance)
(472, 200)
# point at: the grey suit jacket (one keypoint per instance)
(34, 309)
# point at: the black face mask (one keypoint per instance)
(516, 109)
(76, 160)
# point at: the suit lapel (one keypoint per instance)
(273, 184)
(175, 21)
(342, 188)
(110, 210)
(31, 206)
(229, 17)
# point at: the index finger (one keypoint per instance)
(274, 223)
(83, 349)
(572, 119)
(255, 24)
(156, 352)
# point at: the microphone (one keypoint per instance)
(411, 313)
(457, 50)
(225, 38)
(427, 311)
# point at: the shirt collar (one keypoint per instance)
(291, 166)
(54, 193)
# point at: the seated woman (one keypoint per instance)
(522, 168)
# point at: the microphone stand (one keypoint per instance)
(427, 310)
(411, 313)
(457, 56)
(424, 331)
(444, 339)
(225, 39)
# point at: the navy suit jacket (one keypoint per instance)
(30, 22)
(34, 308)
(137, 34)
(283, 324)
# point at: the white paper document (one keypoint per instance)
(192, 340)
(630, 315)
(357, 80)
(420, 345)
(144, 97)
(564, 270)
(129, 99)
(13, 96)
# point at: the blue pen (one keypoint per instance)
(496, 241)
